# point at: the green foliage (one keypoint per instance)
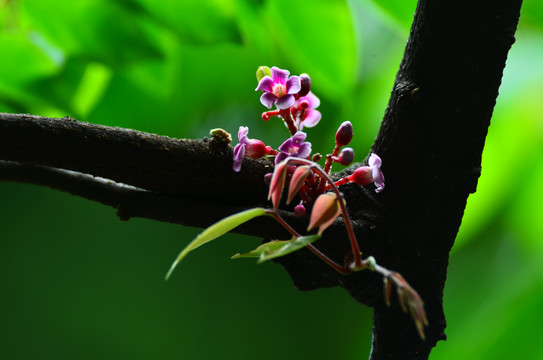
(182, 67)
(220, 228)
(398, 11)
(277, 248)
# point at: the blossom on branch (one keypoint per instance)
(251, 148)
(278, 89)
(294, 146)
(365, 175)
(304, 113)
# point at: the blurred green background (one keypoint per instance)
(79, 284)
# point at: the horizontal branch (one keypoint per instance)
(198, 190)
(192, 169)
(130, 202)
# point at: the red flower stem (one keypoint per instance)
(303, 193)
(357, 256)
(341, 269)
(268, 114)
(287, 118)
(340, 182)
(328, 167)
(283, 223)
(328, 164)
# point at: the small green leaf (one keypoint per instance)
(214, 231)
(278, 248)
(266, 247)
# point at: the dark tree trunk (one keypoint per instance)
(431, 141)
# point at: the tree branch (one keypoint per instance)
(178, 196)
(196, 169)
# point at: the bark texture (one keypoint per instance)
(431, 141)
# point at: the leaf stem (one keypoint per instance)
(283, 223)
(340, 269)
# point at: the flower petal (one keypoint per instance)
(314, 101)
(279, 76)
(242, 134)
(284, 102)
(268, 99)
(374, 160)
(280, 157)
(286, 145)
(239, 154)
(378, 179)
(312, 118)
(293, 85)
(305, 150)
(265, 84)
(299, 137)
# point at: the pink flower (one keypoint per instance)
(251, 148)
(365, 175)
(278, 89)
(304, 113)
(378, 178)
(294, 146)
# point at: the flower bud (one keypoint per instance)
(267, 178)
(277, 183)
(344, 134)
(316, 157)
(346, 156)
(362, 176)
(255, 149)
(299, 210)
(305, 85)
(298, 179)
(325, 211)
(262, 71)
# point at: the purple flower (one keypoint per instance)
(365, 175)
(251, 148)
(294, 146)
(304, 112)
(278, 89)
(378, 178)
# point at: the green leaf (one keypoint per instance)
(278, 248)
(214, 231)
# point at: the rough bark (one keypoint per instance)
(431, 141)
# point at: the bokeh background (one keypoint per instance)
(76, 283)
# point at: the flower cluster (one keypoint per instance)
(296, 105)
